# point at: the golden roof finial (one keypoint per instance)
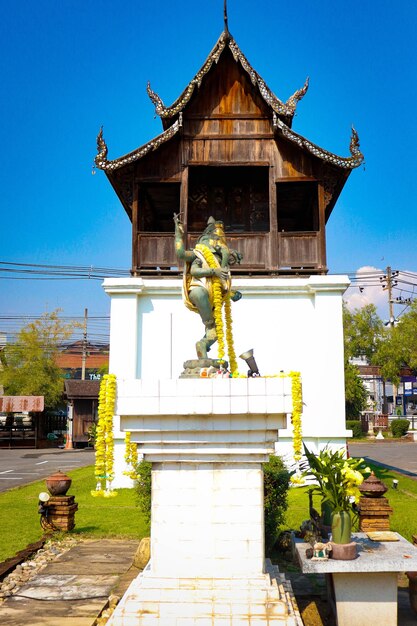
(226, 24)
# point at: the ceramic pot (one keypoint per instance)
(341, 527)
(58, 483)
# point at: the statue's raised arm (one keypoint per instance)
(184, 255)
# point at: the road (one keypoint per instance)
(20, 467)
(399, 456)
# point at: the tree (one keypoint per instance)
(363, 332)
(390, 349)
(390, 357)
(399, 348)
(355, 392)
(406, 335)
(29, 366)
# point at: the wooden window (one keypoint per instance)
(157, 204)
(297, 206)
(237, 195)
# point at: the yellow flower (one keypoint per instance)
(297, 403)
(110, 494)
(96, 493)
(104, 440)
(229, 334)
(131, 456)
(297, 479)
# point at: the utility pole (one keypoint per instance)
(388, 287)
(390, 283)
(390, 303)
(84, 349)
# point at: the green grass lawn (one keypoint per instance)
(96, 517)
(120, 517)
(403, 501)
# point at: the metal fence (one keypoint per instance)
(383, 422)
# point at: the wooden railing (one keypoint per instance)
(262, 252)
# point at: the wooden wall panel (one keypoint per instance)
(226, 151)
(163, 165)
(156, 250)
(298, 249)
(226, 89)
(230, 127)
(290, 162)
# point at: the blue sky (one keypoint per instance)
(67, 67)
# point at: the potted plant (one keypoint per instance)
(337, 481)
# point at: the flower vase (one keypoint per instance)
(343, 548)
(341, 527)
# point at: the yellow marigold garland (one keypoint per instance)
(131, 457)
(104, 467)
(218, 301)
(127, 447)
(297, 409)
(229, 333)
(218, 319)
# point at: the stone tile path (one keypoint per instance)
(73, 589)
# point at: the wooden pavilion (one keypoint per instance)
(227, 149)
(83, 394)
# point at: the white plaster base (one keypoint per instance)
(263, 600)
(121, 481)
(207, 520)
(366, 598)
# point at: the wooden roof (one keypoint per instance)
(82, 389)
(285, 110)
(281, 115)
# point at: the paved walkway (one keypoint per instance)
(73, 589)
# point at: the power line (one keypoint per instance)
(42, 271)
(32, 271)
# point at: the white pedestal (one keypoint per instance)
(207, 440)
(361, 598)
(207, 520)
